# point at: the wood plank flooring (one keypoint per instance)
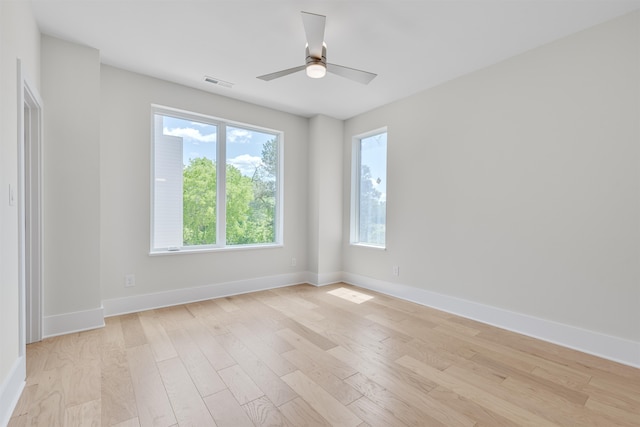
(308, 356)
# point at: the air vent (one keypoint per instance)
(218, 82)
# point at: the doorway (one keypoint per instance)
(29, 210)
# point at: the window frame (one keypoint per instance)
(221, 125)
(356, 165)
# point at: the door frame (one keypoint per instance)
(30, 217)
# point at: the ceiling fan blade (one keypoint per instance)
(282, 73)
(359, 76)
(314, 28)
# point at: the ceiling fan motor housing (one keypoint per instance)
(314, 60)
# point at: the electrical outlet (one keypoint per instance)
(129, 280)
(396, 270)
(294, 262)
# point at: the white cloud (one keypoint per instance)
(190, 133)
(246, 163)
(239, 135)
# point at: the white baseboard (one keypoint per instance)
(11, 389)
(136, 303)
(323, 279)
(606, 346)
(67, 323)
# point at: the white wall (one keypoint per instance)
(125, 151)
(71, 93)
(518, 186)
(19, 38)
(325, 199)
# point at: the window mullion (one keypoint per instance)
(221, 190)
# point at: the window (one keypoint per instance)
(369, 189)
(198, 205)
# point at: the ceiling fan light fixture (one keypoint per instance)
(316, 55)
(316, 70)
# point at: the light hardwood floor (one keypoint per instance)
(307, 356)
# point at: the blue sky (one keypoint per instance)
(244, 146)
(373, 153)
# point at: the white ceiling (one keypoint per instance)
(411, 45)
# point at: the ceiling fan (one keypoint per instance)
(316, 63)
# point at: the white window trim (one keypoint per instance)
(221, 184)
(221, 125)
(354, 232)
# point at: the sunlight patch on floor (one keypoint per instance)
(350, 295)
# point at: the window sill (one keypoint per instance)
(185, 251)
(365, 245)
